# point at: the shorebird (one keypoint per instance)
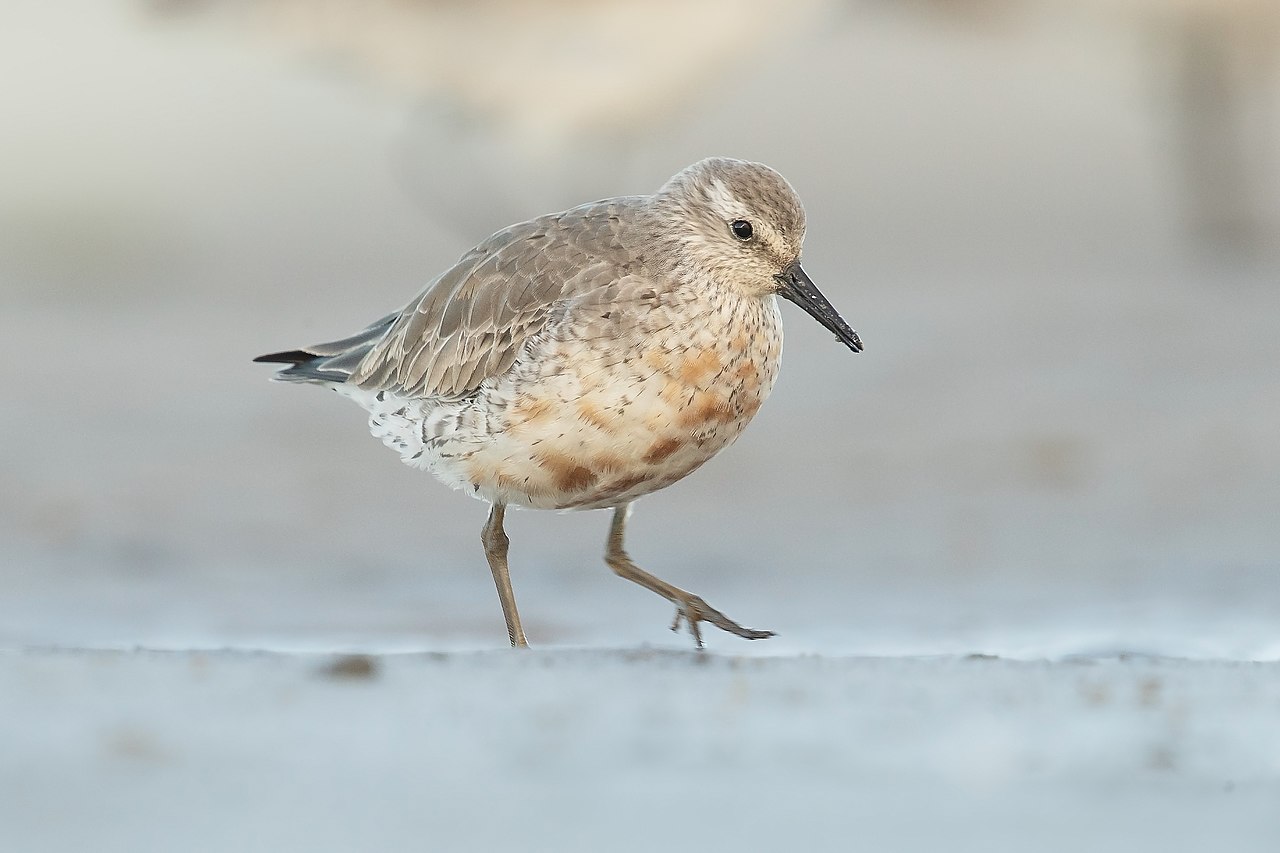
(584, 359)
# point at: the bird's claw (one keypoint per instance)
(691, 610)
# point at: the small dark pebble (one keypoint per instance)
(352, 667)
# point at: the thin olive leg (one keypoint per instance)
(495, 548)
(689, 608)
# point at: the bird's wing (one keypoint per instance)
(474, 320)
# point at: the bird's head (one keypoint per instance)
(740, 224)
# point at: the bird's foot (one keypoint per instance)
(690, 610)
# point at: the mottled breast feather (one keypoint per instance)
(473, 321)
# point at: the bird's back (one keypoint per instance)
(472, 322)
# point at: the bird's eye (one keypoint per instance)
(741, 229)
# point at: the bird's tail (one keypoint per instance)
(331, 363)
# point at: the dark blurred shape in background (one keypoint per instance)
(528, 80)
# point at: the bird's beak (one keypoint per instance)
(795, 285)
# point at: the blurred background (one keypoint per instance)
(1055, 224)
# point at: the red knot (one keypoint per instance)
(584, 359)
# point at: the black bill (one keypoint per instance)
(796, 286)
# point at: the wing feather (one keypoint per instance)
(473, 321)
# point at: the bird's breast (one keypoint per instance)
(608, 424)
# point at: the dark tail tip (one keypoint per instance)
(293, 356)
(303, 367)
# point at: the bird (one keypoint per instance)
(584, 359)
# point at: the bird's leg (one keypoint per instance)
(495, 548)
(689, 608)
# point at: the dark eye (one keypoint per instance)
(741, 229)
